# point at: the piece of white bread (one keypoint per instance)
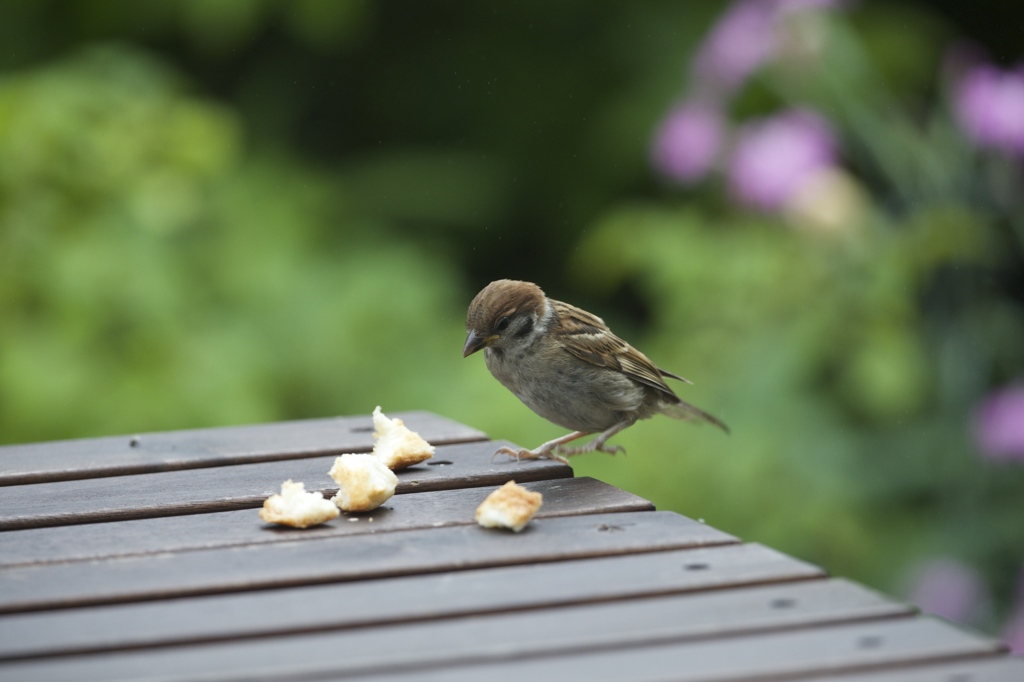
(396, 445)
(510, 506)
(297, 508)
(364, 482)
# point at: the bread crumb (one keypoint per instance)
(297, 508)
(396, 445)
(510, 506)
(364, 482)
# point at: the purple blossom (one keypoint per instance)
(947, 588)
(774, 157)
(989, 104)
(999, 424)
(688, 141)
(747, 36)
(1013, 633)
(737, 45)
(1013, 630)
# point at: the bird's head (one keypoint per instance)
(504, 312)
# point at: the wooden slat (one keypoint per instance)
(359, 557)
(195, 491)
(172, 450)
(500, 637)
(989, 669)
(777, 656)
(397, 600)
(562, 497)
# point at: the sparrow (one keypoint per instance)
(568, 367)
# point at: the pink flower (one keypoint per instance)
(747, 36)
(774, 157)
(738, 44)
(687, 142)
(1013, 630)
(999, 424)
(989, 104)
(947, 588)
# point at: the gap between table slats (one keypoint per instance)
(987, 669)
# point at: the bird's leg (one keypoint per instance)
(545, 451)
(599, 442)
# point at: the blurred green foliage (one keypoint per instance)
(217, 212)
(156, 276)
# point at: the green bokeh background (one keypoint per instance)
(233, 211)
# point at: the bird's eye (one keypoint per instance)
(502, 324)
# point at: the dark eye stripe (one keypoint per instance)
(526, 328)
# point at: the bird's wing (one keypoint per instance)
(587, 337)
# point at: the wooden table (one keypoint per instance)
(144, 558)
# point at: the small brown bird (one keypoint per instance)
(568, 367)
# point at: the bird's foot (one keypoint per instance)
(599, 444)
(543, 452)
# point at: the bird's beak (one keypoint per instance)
(474, 342)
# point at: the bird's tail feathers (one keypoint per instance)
(686, 411)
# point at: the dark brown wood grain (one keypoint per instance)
(244, 486)
(562, 497)
(213, 447)
(360, 557)
(400, 600)
(716, 636)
